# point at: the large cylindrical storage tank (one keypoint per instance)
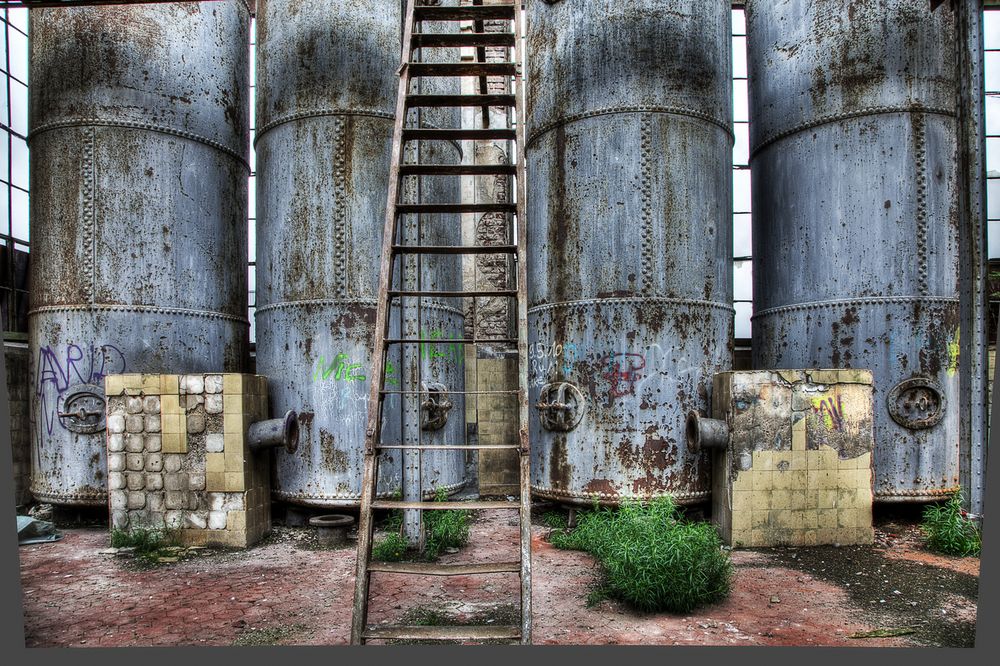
(630, 252)
(327, 80)
(855, 215)
(139, 143)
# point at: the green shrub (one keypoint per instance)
(444, 529)
(651, 557)
(390, 548)
(947, 529)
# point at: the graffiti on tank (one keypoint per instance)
(450, 352)
(56, 371)
(551, 358)
(391, 374)
(622, 371)
(831, 412)
(341, 369)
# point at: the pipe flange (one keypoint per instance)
(434, 410)
(561, 406)
(82, 409)
(917, 403)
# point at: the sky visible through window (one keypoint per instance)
(14, 193)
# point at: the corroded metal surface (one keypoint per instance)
(856, 215)
(629, 151)
(325, 107)
(139, 140)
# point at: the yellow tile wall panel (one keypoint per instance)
(169, 384)
(234, 482)
(798, 433)
(114, 385)
(232, 403)
(215, 482)
(151, 384)
(233, 423)
(232, 383)
(761, 480)
(215, 462)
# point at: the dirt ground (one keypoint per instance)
(289, 591)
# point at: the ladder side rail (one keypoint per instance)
(359, 618)
(522, 329)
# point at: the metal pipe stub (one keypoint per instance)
(705, 433)
(272, 433)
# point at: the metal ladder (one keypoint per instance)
(393, 250)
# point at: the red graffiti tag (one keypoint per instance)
(623, 373)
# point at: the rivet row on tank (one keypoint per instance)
(848, 115)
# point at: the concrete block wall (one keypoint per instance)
(798, 469)
(178, 456)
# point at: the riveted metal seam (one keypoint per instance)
(292, 495)
(68, 498)
(144, 309)
(333, 302)
(638, 300)
(319, 113)
(618, 110)
(847, 115)
(874, 300)
(920, 166)
(340, 177)
(150, 127)
(688, 496)
(88, 184)
(646, 200)
(932, 493)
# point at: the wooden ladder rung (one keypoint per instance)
(415, 134)
(425, 39)
(457, 170)
(449, 341)
(454, 249)
(413, 101)
(473, 13)
(435, 569)
(420, 209)
(494, 293)
(448, 447)
(462, 69)
(443, 633)
(434, 505)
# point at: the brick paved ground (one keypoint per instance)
(74, 596)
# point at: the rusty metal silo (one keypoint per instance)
(139, 143)
(630, 292)
(325, 107)
(855, 215)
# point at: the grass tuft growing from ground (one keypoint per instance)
(149, 543)
(442, 530)
(651, 557)
(554, 519)
(445, 529)
(947, 530)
